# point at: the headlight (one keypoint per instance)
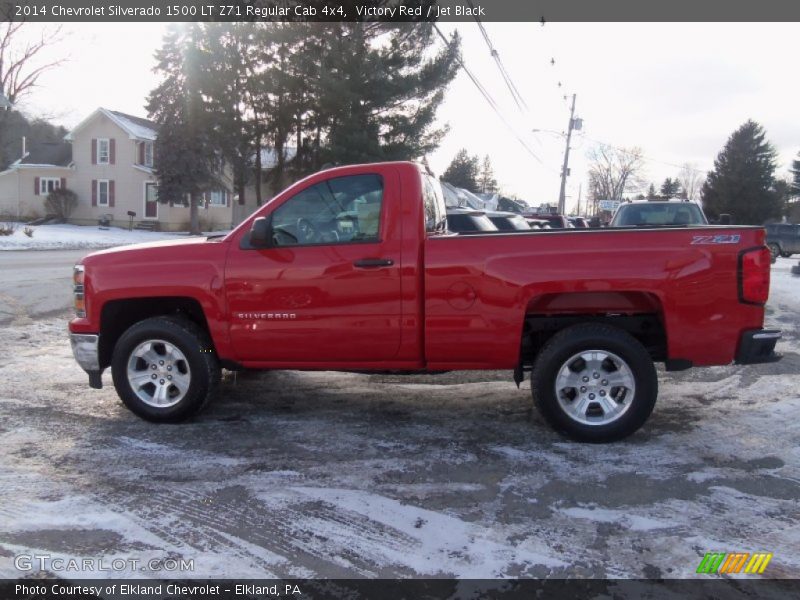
(77, 289)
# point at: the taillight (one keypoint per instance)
(754, 265)
(78, 290)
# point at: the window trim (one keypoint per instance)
(108, 192)
(148, 146)
(107, 161)
(43, 191)
(210, 204)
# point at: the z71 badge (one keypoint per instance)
(716, 239)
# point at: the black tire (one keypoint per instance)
(774, 251)
(786, 254)
(195, 345)
(563, 347)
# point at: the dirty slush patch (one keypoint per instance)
(292, 474)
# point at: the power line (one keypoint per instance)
(520, 101)
(487, 96)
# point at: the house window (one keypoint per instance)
(102, 192)
(48, 184)
(216, 198)
(103, 151)
(148, 154)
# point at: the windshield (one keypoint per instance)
(673, 213)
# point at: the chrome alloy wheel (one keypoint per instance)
(595, 387)
(158, 373)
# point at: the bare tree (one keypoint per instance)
(691, 179)
(20, 67)
(613, 171)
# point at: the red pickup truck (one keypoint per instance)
(353, 269)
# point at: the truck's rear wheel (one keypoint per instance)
(594, 383)
(165, 369)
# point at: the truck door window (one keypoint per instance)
(336, 211)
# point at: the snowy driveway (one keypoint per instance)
(294, 474)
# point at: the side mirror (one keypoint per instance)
(261, 233)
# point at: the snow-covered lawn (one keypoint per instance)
(76, 237)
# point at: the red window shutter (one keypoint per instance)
(141, 153)
(94, 192)
(63, 183)
(241, 199)
(227, 198)
(94, 151)
(111, 152)
(111, 192)
(36, 186)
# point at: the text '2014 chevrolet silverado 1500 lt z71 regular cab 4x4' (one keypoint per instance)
(353, 269)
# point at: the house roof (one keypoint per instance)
(141, 128)
(137, 128)
(56, 154)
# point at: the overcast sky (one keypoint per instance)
(677, 90)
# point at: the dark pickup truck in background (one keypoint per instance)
(354, 269)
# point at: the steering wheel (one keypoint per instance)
(306, 230)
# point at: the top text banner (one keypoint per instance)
(534, 11)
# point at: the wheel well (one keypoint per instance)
(648, 328)
(118, 315)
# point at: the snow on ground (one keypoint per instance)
(74, 237)
(292, 474)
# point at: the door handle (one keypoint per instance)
(373, 263)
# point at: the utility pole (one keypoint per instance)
(562, 197)
(578, 210)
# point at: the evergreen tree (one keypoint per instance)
(186, 160)
(743, 180)
(380, 87)
(795, 171)
(463, 171)
(228, 81)
(651, 192)
(670, 188)
(486, 181)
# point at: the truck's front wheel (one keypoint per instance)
(594, 383)
(165, 369)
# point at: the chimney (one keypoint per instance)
(23, 146)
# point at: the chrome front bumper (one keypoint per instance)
(85, 349)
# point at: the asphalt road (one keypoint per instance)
(36, 283)
(292, 474)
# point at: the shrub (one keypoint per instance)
(7, 228)
(61, 202)
(28, 231)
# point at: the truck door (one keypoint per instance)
(328, 290)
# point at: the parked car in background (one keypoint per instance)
(508, 221)
(555, 221)
(578, 222)
(648, 213)
(537, 223)
(467, 220)
(783, 239)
